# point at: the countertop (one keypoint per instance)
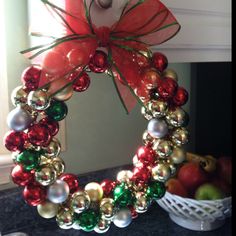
(16, 216)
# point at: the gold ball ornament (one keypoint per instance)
(48, 210)
(59, 165)
(177, 117)
(95, 191)
(103, 226)
(38, 100)
(80, 201)
(146, 113)
(170, 73)
(19, 96)
(141, 204)
(161, 172)
(65, 94)
(53, 149)
(124, 176)
(46, 175)
(158, 108)
(65, 218)
(107, 208)
(178, 155)
(180, 136)
(163, 148)
(147, 138)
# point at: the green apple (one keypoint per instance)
(208, 192)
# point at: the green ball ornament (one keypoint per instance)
(29, 159)
(156, 190)
(57, 110)
(123, 196)
(87, 220)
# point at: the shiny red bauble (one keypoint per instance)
(159, 61)
(98, 62)
(21, 177)
(51, 125)
(146, 156)
(143, 93)
(39, 135)
(141, 176)
(14, 141)
(72, 181)
(34, 194)
(167, 88)
(81, 83)
(141, 60)
(181, 97)
(108, 186)
(30, 77)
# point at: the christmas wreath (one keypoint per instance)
(122, 52)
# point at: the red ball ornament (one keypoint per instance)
(72, 181)
(141, 60)
(55, 63)
(51, 125)
(30, 77)
(77, 57)
(167, 88)
(151, 78)
(34, 194)
(22, 177)
(14, 141)
(82, 83)
(98, 62)
(181, 97)
(108, 186)
(143, 93)
(146, 156)
(141, 176)
(39, 135)
(159, 61)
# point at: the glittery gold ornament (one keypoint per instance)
(65, 218)
(163, 148)
(177, 117)
(103, 226)
(147, 138)
(19, 96)
(170, 73)
(107, 208)
(161, 172)
(59, 165)
(180, 136)
(158, 108)
(53, 149)
(65, 94)
(146, 113)
(178, 155)
(48, 210)
(46, 175)
(124, 176)
(141, 204)
(94, 191)
(80, 201)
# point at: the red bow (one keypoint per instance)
(143, 23)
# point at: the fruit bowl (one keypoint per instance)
(199, 215)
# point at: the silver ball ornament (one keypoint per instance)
(157, 128)
(123, 218)
(38, 100)
(58, 192)
(53, 149)
(19, 96)
(102, 227)
(80, 201)
(19, 119)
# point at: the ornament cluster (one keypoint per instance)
(34, 123)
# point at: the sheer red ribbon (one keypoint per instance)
(143, 23)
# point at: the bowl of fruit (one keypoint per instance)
(198, 197)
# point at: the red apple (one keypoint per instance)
(191, 175)
(174, 186)
(224, 169)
